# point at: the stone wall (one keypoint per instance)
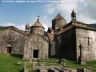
(87, 40)
(66, 45)
(13, 38)
(36, 42)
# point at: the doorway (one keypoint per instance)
(9, 49)
(35, 54)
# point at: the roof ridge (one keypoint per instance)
(12, 27)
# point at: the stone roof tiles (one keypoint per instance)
(58, 17)
(37, 24)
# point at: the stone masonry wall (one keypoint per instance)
(87, 40)
(13, 38)
(35, 42)
(67, 45)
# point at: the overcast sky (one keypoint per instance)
(17, 13)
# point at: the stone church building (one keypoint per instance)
(36, 42)
(74, 40)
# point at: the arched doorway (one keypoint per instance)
(9, 48)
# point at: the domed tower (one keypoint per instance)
(37, 28)
(58, 22)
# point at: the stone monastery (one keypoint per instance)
(74, 40)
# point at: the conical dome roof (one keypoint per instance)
(37, 24)
(58, 22)
(58, 17)
(37, 28)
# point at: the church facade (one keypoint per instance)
(74, 40)
(36, 43)
(11, 40)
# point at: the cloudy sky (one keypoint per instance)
(20, 12)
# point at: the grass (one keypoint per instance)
(9, 63)
(51, 61)
(14, 63)
(92, 65)
(70, 64)
(89, 65)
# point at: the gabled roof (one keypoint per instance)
(83, 25)
(11, 27)
(92, 25)
(77, 24)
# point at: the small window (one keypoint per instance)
(89, 41)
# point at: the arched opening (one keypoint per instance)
(9, 48)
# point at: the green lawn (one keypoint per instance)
(89, 65)
(70, 64)
(10, 64)
(92, 65)
(13, 63)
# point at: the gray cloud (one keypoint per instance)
(88, 8)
